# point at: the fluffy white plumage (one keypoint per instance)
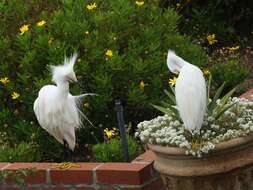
(55, 108)
(190, 91)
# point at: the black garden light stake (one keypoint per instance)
(121, 125)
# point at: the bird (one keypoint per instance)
(190, 92)
(56, 109)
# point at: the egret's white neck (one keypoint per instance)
(63, 87)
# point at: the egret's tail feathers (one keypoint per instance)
(86, 118)
(174, 62)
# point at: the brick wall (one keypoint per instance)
(248, 95)
(137, 175)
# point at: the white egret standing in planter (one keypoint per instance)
(56, 109)
(190, 91)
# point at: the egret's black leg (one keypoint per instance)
(67, 152)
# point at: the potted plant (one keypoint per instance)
(213, 157)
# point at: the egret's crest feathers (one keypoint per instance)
(65, 72)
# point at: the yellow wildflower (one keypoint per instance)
(109, 53)
(91, 6)
(50, 40)
(211, 39)
(178, 5)
(109, 133)
(86, 105)
(233, 49)
(139, 3)
(15, 95)
(87, 32)
(142, 85)
(173, 81)
(24, 28)
(4, 80)
(41, 23)
(206, 72)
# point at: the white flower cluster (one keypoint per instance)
(168, 131)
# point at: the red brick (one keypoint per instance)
(75, 175)
(3, 165)
(38, 177)
(248, 95)
(84, 188)
(124, 173)
(55, 188)
(107, 188)
(147, 156)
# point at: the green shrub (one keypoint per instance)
(232, 72)
(111, 150)
(227, 19)
(21, 153)
(135, 39)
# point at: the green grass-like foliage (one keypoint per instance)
(111, 150)
(21, 153)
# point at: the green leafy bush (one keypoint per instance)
(111, 150)
(21, 153)
(232, 72)
(227, 19)
(122, 50)
(227, 66)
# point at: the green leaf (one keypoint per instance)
(162, 109)
(208, 88)
(171, 96)
(224, 101)
(223, 110)
(212, 104)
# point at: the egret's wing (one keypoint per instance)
(191, 96)
(47, 111)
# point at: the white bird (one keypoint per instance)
(56, 109)
(190, 92)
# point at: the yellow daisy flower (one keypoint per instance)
(211, 38)
(91, 6)
(87, 32)
(142, 85)
(206, 72)
(24, 28)
(178, 5)
(4, 80)
(86, 105)
(233, 49)
(173, 81)
(109, 133)
(41, 23)
(15, 95)
(109, 53)
(139, 3)
(50, 40)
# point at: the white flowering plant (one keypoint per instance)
(226, 118)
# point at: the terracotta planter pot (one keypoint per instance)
(228, 167)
